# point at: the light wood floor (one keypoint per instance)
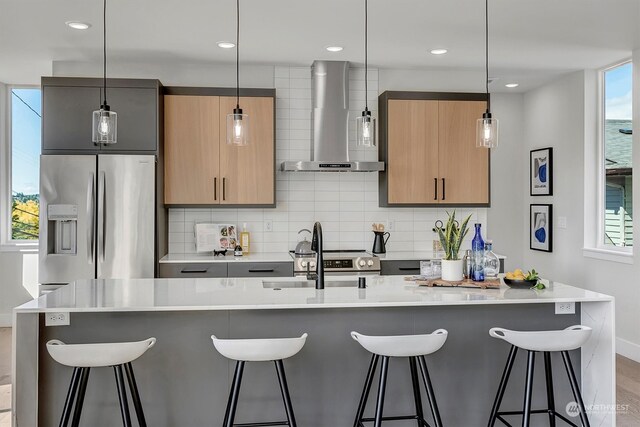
(628, 393)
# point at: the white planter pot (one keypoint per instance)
(452, 270)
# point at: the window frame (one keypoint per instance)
(610, 252)
(7, 244)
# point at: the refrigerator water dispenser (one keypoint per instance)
(63, 219)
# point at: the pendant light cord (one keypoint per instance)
(104, 49)
(366, 55)
(486, 52)
(237, 53)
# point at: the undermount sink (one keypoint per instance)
(310, 284)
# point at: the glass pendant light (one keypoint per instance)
(237, 121)
(487, 126)
(105, 121)
(365, 124)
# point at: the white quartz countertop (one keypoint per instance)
(206, 258)
(112, 295)
(285, 257)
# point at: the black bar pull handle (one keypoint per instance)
(215, 188)
(435, 188)
(224, 188)
(409, 268)
(186, 270)
(261, 270)
(443, 189)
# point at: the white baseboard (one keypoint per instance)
(628, 349)
(6, 319)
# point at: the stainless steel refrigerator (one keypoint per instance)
(97, 217)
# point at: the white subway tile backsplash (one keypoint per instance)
(345, 203)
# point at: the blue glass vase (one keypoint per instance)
(477, 256)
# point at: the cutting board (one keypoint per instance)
(487, 284)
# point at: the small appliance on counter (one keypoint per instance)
(304, 246)
(379, 240)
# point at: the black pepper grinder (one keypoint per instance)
(237, 251)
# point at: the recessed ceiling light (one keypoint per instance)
(76, 25)
(439, 51)
(334, 48)
(512, 85)
(226, 45)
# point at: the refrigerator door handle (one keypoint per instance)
(102, 220)
(90, 218)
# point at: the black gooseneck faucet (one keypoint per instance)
(316, 245)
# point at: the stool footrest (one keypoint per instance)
(535, 411)
(398, 418)
(264, 424)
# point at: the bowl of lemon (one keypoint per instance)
(521, 279)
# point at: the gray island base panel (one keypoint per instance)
(184, 381)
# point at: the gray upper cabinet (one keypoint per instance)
(68, 105)
(66, 117)
(137, 118)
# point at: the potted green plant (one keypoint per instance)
(451, 237)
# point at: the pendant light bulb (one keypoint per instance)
(487, 126)
(105, 121)
(237, 121)
(365, 124)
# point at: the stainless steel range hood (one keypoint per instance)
(330, 123)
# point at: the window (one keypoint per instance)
(24, 144)
(615, 207)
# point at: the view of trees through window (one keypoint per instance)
(26, 113)
(618, 218)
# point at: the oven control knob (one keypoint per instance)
(370, 263)
(361, 263)
(303, 263)
(312, 264)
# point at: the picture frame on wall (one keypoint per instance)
(541, 228)
(541, 172)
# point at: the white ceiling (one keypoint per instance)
(530, 39)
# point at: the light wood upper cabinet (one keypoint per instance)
(191, 149)
(200, 168)
(464, 168)
(248, 172)
(413, 156)
(428, 143)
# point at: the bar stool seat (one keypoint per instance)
(414, 347)
(83, 357)
(563, 340)
(259, 350)
(546, 342)
(402, 345)
(97, 355)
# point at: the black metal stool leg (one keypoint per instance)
(82, 388)
(503, 385)
(367, 388)
(71, 394)
(526, 416)
(416, 390)
(135, 395)
(284, 389)
(430, 394)
(232, 404)
(551, 402)
(122, 396)
(381, 389)
(575, 388)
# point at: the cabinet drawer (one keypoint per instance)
(218, 269)
(395, 268)
(261, 269)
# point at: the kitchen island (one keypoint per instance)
(184, 381)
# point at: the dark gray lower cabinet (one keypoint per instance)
(408, 268)
(191, 270)
(261, 269)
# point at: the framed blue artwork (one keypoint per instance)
(541, 172)
(541, 228)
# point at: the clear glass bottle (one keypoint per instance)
(477, 255)
(491, 261)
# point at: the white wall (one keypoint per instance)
(562, 114)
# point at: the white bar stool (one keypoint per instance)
(546, 342)
(415, 347)
(83, 357)
(259, 350)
